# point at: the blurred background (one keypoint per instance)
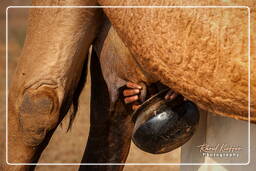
(64, 147)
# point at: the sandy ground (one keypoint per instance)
(64, 146)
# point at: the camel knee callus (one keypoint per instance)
(38, 114)
(162, 126)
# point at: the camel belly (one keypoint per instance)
(201, 53)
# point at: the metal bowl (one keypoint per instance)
(163, 125)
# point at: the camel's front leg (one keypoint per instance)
(47, 76)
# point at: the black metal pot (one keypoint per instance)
(162, 126)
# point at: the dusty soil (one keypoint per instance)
(64, 147)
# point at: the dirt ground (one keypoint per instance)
(64, 147)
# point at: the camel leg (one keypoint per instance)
(47, 76)
(34, 112)
(111, 126)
